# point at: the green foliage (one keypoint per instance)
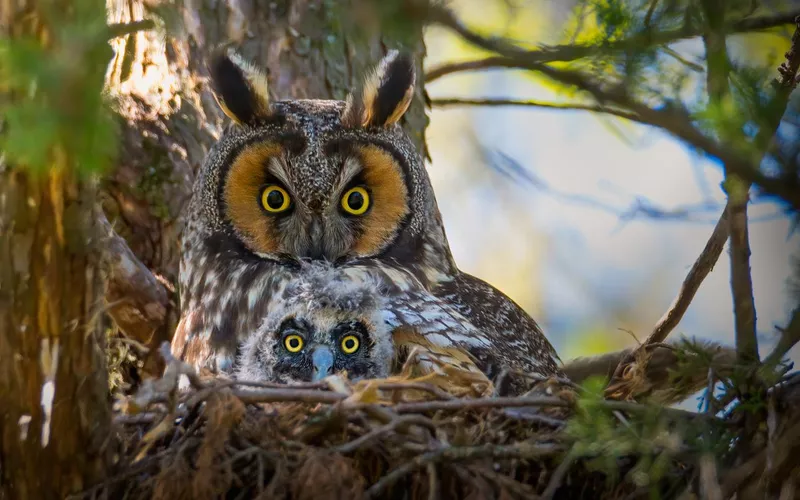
(607, 438)
(54, 108)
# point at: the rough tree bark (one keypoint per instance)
(54, 408)
(310, 48)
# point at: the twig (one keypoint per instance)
(419, 386)
(790, 335)
(433, 482)
(708, 478)
(558, 475)
(522, 450)
(451, 101)
(385, 429)
(521, 489)
(121, 29)
(471, 404)
(744, 309)
(700, 269)
(287, 395)
(565, 53)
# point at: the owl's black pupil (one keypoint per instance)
(349, 343)
(294, 343)
(275, 199)
(356, 200)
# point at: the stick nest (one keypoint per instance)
(404, 437)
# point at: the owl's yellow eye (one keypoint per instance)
(350, 344)
(275, 199)
(293, 343)
(355, 201)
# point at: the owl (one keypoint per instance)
(329, 319)
(319, 325)
(329, 181)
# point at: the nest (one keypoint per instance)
(405, 437)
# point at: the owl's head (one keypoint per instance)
(324, 323)
(320, 179)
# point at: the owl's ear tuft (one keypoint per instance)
(239, 87)
(385, 95)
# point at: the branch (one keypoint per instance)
(675, 121)
(138, 303)
(116, 30)
(737, 188)
(790, 335)
(444, 102)
(565, 53)
(700, 269)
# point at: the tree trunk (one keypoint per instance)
(311, 49)
(54, 406)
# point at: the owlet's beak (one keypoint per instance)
(322, 358)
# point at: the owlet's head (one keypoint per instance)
(319, 179)
(324, 323)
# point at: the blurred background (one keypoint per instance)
(550, 205)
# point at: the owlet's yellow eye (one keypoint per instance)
(293, 343)
(355, 201)
(350, 344)
(275, 199)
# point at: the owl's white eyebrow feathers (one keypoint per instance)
(352, 166)
(277, 167)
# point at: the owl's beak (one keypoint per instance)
(322, 358)
(316, 249)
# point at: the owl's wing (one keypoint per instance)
(437, 341)
(515, 337)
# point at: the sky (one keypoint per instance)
(592, 280)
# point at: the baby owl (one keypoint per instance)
(328, 181)
(320, 324)
(328, 319)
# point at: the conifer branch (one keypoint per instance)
(571, 52)
(674, 120)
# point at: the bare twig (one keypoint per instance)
(288, 395)
(709, 484)
(744, 308)
(700, 269)
(121, 29)
(419, 386)
(790, 335)
(446, 102)
(471, 404)
(375, 434)
(558, 476)
(521, 450)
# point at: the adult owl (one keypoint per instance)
(331, 181)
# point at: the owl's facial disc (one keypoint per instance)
(357, 213)
(307, 352)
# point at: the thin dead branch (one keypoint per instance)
(700, 269)
(448, 102)
(790, 335)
